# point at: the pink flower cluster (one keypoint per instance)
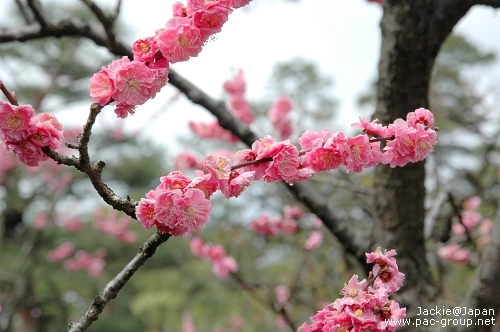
(93, 263)
(181, 205)
(222, 264)
(130, 83)
(25, 134)
(471, 223)
(185, 160)
(237, 105)
(62, 252)
(365, 305)
(279, 118)
(411, 140)
(212, 130)
(264, 225)
(178, 205)
(118, 227)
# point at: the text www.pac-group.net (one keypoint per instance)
(457, 316)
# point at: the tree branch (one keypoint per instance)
(94, 171)
(37, 12)
(353, 243)
(107, 21)
(114, 286)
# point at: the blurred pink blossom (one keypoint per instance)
(455, 253)
(61, 252)
(314, 241)
(282, 294)
(471, 203)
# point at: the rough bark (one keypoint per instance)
(412, 33)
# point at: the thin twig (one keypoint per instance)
(114, 286)
(11, 96)
(37, 12)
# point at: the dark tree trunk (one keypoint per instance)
(412, 33)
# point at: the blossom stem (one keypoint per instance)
(11, 96)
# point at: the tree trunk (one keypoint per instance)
(412, 33)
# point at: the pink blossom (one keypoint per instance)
(188, 323)
(285, 162)
(382, 258)
(16, 122)
(191, 211)
(310, 140)
(471, 203)
(282, 294)
(240, 107)
(198, 247)
(280, 323)
(278, 116)
(133, 82)
(263, 225)
(371, 128)
(41, 220)
(210, 20)
(484, 230)
(178, 10)
(61, 252)
(27, 152)
(93, 263)
(410, 144)
(420, 116)
(212, 130)
(455, 253)
(236, 86)
(292, 212)
(470, 218)
(288, 226)
(179, 40)
(101, 87)
(221, 166)
(118, 227)
(388, 278)
(316, 222)
(123, 110)
(224, 266)
(361, 154)
(72, 224)
(331, 155)
(457, 228)
(238, 3)
(185, 160)
(145, 212)
(216, 253)
(206, 182)
(174, 180)
(145, 50)
(314, 240)
(485, 227)
(236, 184)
